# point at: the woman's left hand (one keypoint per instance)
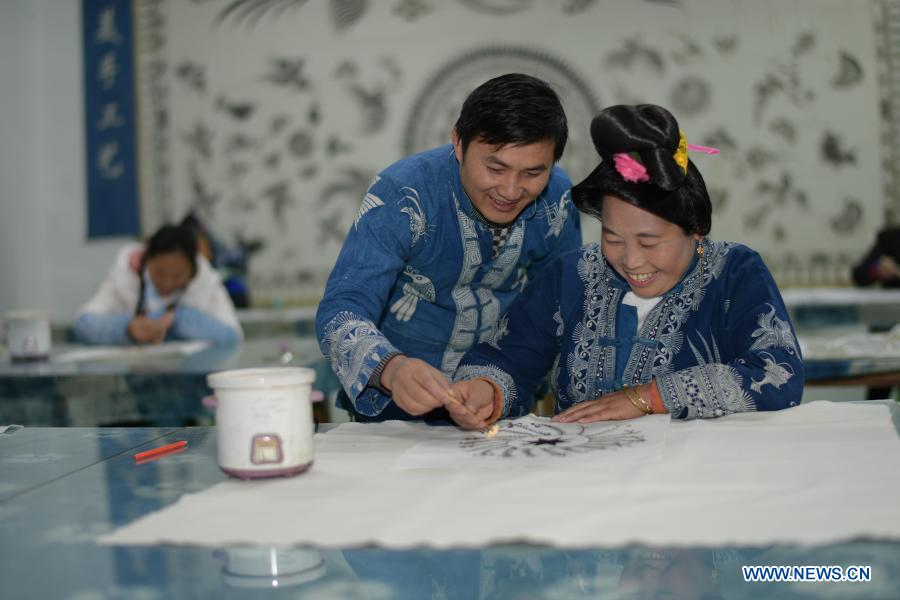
(610, 407)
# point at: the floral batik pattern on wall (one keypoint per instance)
(270, 118)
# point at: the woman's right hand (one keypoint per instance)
(472, 403)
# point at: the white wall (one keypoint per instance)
(45, 259)
(18, 152)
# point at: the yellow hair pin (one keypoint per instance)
(681, 154)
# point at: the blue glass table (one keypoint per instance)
(62, 487)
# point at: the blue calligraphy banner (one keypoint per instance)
(110, 123)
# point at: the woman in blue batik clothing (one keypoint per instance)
(657, 318)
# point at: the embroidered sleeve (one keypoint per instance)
(756, 364)
(378, 371)
(708, 390)
(371, 260)
(355, 348)
(498, 377)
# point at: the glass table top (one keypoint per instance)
(138, 389)
(132, 360)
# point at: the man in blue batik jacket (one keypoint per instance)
(443, 242)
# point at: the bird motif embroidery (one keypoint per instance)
(418, 287)
(417, 224)
(777, 374)
(773, 333)
(557, 215)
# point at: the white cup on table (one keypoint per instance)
(264, 422)
(27, 335)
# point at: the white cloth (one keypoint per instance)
(120, 290)
(814, 474)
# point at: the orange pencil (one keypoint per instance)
(161, 450)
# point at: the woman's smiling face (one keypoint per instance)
(651, 253)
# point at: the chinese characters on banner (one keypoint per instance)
(110, 124)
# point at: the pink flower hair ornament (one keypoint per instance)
(632, 170)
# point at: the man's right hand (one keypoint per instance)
(415, 386)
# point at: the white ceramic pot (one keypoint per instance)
(27, 335)
(264, 423)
